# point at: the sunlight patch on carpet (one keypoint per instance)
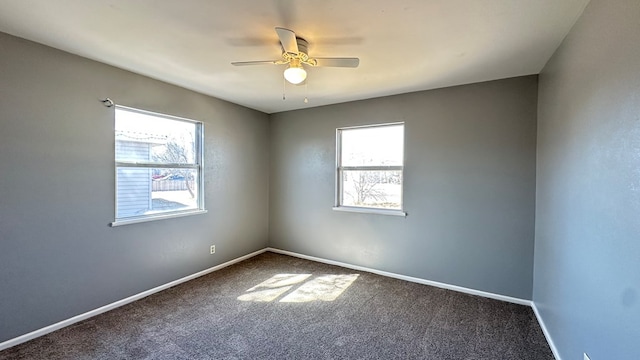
(321, 288)
(281, 280)
(264, 295)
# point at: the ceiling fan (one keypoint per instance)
(295, 54)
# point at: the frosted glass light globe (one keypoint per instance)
(295, 75)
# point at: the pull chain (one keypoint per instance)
(306, 101)
(284, 84)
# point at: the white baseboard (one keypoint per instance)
(554, 350)
(408, 278)
(64, 323)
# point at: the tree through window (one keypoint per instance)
(158, 165)
(370, 167)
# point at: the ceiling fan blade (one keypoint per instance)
(288, 40)
(266, 62)
(337, 62)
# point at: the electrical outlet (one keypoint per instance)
(586, 357)
(212, 249)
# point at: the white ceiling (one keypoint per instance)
(403, 45)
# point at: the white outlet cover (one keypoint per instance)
(586, 357)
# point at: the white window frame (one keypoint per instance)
(198, 166)
(340, 172)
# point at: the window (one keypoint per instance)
(158, 166)
(369, 168)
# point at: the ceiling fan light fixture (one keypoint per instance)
(295, 54)
(295, 74)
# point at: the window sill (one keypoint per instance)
(135, 220)
(370, 210)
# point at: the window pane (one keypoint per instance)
(379, 189)
(145, 138)
(144, 191)
(373, 146)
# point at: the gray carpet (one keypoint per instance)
(279, 307)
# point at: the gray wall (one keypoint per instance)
(587, 255)
(58, 257)
(469, 186)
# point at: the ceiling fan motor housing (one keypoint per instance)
(303, 52)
